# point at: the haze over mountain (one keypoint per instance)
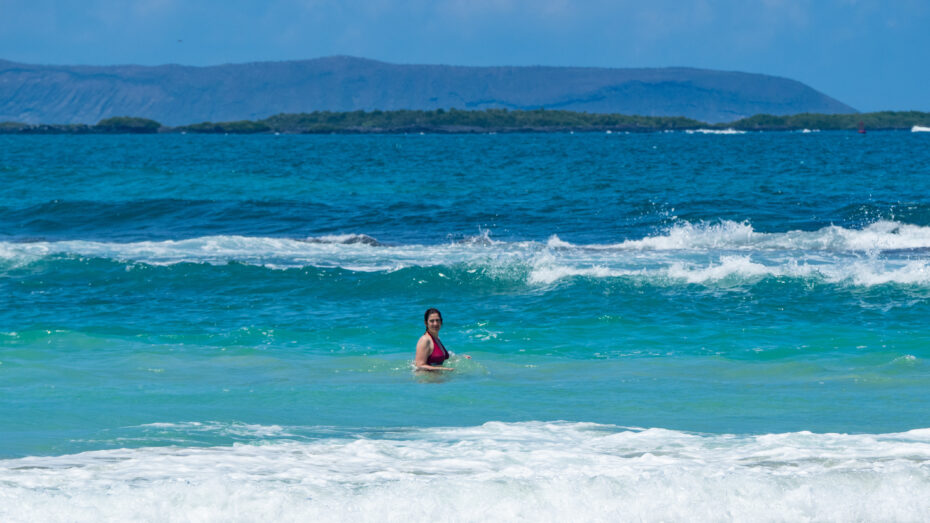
(176, 94)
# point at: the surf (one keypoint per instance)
(882, 252)
(495, 471)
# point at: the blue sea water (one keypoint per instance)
(681, 326)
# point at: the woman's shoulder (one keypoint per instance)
(426, 337)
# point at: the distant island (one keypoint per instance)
(489, 120)
(178, 95)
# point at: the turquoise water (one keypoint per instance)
(725, 301)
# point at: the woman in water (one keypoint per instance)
(430, 351)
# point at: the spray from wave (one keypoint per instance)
(704, 253)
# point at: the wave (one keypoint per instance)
(882, 252)
(742, 270)
(156, 218)
(729, 235)
(714, 131)
(496, 471)
(346, 239)
(920, 129)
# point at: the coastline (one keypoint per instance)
(483, 122)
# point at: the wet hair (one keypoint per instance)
(426, 316)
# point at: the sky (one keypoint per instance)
(873, 55)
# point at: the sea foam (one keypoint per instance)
(497, 471)
(728, 234)
(879, 253)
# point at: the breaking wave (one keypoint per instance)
(714, 131)
(528, 471)
(882, 252)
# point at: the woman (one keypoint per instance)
(430, 351)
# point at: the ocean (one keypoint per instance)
(663, 326)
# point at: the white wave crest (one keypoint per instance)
(730, 235)
(714, 131)
(742, 270)
(920, 129)
(729, 266)
(549, 273)
(496, 472)
(882, 252)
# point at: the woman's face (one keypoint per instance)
(434, 322)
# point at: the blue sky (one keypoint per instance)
(870, 54)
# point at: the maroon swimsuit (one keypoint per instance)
(439, 354)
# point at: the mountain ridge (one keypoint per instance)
(181, 94)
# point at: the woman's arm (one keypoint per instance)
(423, 350)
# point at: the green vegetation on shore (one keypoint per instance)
(884, 120)
(240, 127)
(455, 120)
(128, 124)
(490, 120)
(115, 125)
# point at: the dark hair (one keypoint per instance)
(430, 311)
